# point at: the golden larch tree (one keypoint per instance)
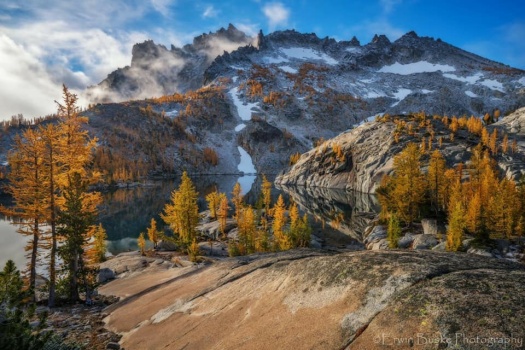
(182, 214)
(281, 239)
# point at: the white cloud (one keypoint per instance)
(248, 28)
(389, 5)
(276, 14)
(48, 54)
(26, 87)
(162, 6)
(210, 12)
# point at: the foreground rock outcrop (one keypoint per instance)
(306, 299)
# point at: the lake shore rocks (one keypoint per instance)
(365, 154)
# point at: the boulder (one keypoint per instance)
(105, 274)
(441, 247)
(126, 262)
(430, 226)
(424, 242)
(166, 245)
(212, 229)
(379, 245)
(405, 241)
(216, 249)
(376, 234)
(480, 251)
(113, 346)
(233, 234)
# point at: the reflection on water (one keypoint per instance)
(346, 212)
(340, 216)
(12, 244)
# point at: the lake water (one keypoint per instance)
(337, 217)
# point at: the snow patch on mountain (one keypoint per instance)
(374, 94)
(416, 67)
(400, 95)
(471, 79)
(240, 127)
(288, 69)
(522, 81)
(308, 54)
(244, 110)
(353, 49)
(470, 94)
(299, 53)
(426, 92)
(275, 60)
(493, 84)
(172, 114)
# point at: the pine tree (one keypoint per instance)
(505, 144)
(153, 232)
(267, 196)
(182, 214)
(28, 187)
(53, 138)
(409, 183)
(237, 199)
(281, 240)
(393, 231)
(436, 179)
(213, 200)
(247, 229)
(222, 214)
(141, 242)
(97, 252)
(74, 221)
(456, 225)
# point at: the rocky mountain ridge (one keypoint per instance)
(369, 151)
(287, 90)
(229, 95)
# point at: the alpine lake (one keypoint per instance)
(337, 217)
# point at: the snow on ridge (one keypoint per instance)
(244, 110)
(240, 127)
(275, 60)
(416, 67)
(288, 69)
(353, 49)
(307, 54)
(400, 95)
(470, 94)
(285, 54)
(426, 92)
(493, 84)
(471, 80)
(172, 114)
(374, 94)
(522, 81)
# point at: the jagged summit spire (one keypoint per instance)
(355, 41)
(380, 40)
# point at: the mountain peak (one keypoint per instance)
(380, 40)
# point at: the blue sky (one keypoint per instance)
(46, 43)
